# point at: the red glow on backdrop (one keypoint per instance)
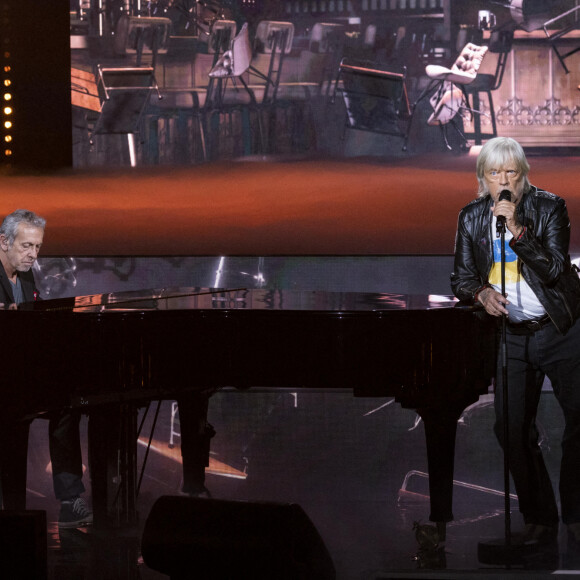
(307, 208)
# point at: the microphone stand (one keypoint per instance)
(505, 400)
(502, 551)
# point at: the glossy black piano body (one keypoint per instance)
(429, 353)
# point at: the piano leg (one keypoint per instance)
(13, 463)
(440, 432)
(196, 434)
(113, 464)
(113, 453)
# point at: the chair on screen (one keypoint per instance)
(273, 39)
(180, 116)
(500, 45)
(231, 68)
(227, 100)
(447, 89)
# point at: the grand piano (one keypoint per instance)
(107, 354)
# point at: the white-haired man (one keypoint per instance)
(542, 306)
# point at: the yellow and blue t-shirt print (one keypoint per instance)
(511, 264)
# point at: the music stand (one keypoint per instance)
(219, 38)
(124, 91)
(553, 36)
(124, 94)
(324, 35)
(140, 35)
(535, 15)
(269, 32)
(376, 100)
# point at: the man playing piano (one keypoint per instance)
(21, 236)
(542, 305)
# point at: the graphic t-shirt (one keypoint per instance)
(523, 303)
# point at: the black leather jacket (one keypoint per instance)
(542, 251)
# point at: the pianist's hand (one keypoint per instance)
(493, 301)
(9, 307)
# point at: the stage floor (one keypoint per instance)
(356, 466)
(403, 206)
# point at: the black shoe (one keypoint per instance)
(574, 533)
(195, 491)
(74, 513)
(540, 535)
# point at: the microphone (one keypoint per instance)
(500, 223)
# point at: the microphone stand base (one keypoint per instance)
(536, 556)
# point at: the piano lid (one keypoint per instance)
(195, 298)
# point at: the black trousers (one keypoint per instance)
(13, 463)
(529, 359)
(65, 454)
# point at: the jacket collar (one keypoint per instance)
(26, 280)
(5, 283)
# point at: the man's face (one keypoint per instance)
(505, 177)
(22, 254)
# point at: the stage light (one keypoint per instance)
(37, 133)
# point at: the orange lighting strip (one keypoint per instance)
(6, 95)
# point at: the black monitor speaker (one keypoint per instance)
(210, 539)
(23, 544)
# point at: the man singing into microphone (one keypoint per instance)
(542, 305)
